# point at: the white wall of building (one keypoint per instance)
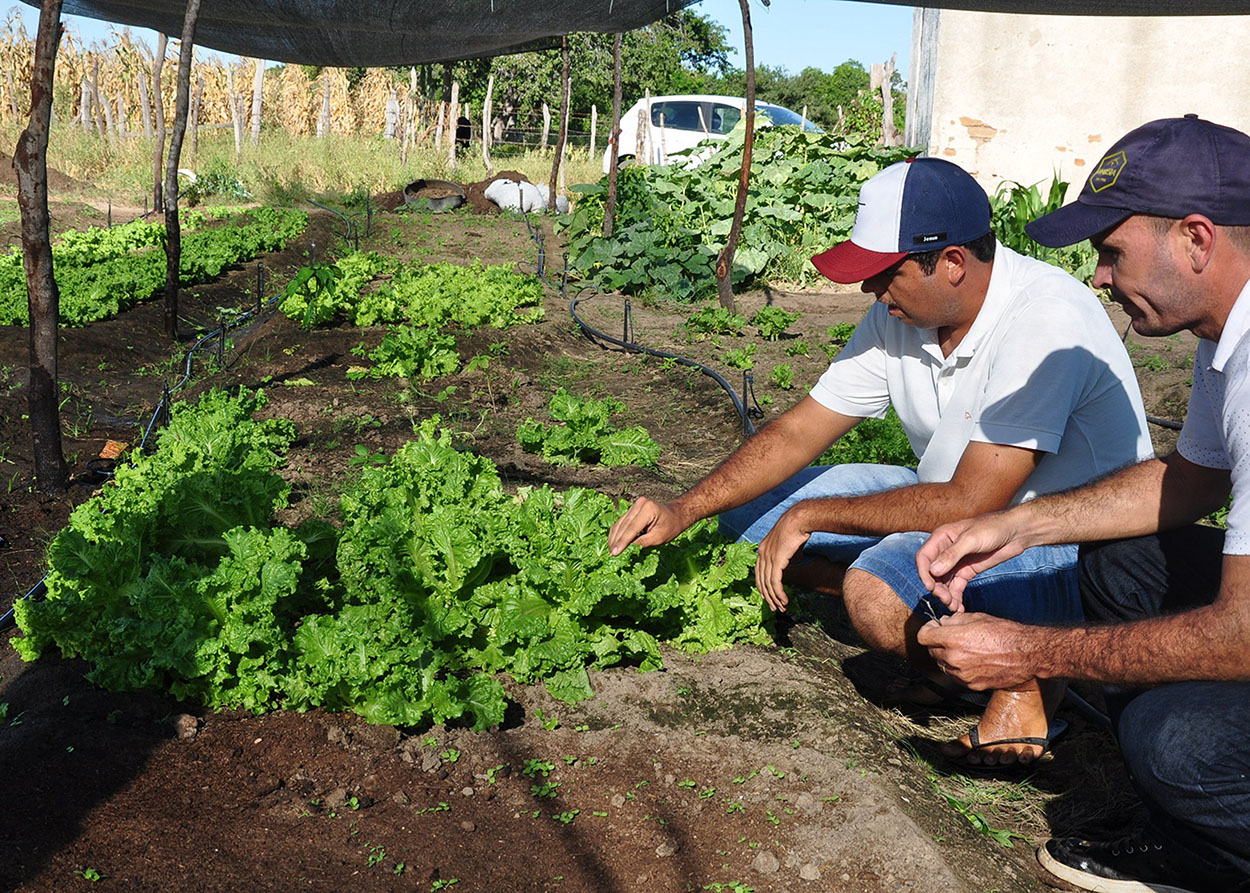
(1018, 97)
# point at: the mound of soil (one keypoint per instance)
(475, 193)
(57, 181)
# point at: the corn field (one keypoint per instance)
(107, 90)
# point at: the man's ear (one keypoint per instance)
(954, 264)
(1199, 236)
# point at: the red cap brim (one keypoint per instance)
(846, 262)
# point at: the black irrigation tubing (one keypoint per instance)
(627, 342)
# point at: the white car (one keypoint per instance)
(677, 123)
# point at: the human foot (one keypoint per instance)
(1015, 728)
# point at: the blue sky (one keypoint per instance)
(796, 34)
(792, 34)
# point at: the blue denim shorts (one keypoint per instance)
(1038, 586)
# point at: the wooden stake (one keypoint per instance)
(258, 88)
(594, 125)
(453, 124)
(564, 125)
(158, 108)
(614, 139)
(486, 125)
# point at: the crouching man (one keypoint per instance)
(1168, 602)
(1009, 381)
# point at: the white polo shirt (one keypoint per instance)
(1217, 425)
(1041, 368)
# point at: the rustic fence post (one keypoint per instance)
(158, 107)
(196, 100)
(258, 88)
(556, 172)
(486, 125)
(546, 125)
(614, 139)
(323, 120)
(594, 125)
(30, 161)
(642, 146)
(145, 106)
(453, 124)
(236, 113)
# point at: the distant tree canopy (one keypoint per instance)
(683, 53)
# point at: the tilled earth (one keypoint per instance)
(774, 769)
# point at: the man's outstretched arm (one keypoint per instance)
(986, 479)
(1211, 642)
(1158, 494)
(774, 454)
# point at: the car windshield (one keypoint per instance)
(780, 115)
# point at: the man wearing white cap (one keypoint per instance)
(1009, 381)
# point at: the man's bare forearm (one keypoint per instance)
(1158, 494)
(772, 455)
(915, 507)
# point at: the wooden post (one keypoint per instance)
(173, 233)
(564, 123)
(145, 106)
(614, 139)
(642, 146)
(486, 125)
(724, 263)
(453, 124)
(236, 114)
(438, 130)
(84, 106)
(546, 125)
(196, 102)
(323, 120)
(803, 123)
(258, 88)
(889, 133)
(594, 126)
(30, 160)
(158, 110)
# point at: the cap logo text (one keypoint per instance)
(1108, 172)
(927, 238)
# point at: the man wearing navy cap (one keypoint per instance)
(1168, 210)
(1009, 381)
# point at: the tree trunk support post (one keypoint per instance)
(614, 139)
(30, 159)
(173, 233)
(564, 122)
(724, 264)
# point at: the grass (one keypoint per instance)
(284, 169)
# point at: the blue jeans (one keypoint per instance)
(1186, 744)
(1038, 587)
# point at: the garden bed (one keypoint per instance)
(770, 768)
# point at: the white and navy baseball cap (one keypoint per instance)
(916, 205)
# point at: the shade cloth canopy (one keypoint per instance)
(370, 33)
(405, 32)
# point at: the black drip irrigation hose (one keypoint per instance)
(627, 341)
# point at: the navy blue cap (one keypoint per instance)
(921, 204)
(1172, 167)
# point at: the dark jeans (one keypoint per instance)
(1187, 745)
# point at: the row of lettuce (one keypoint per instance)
(102, 271)
(434, 582)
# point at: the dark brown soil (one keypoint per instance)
(772, 768)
